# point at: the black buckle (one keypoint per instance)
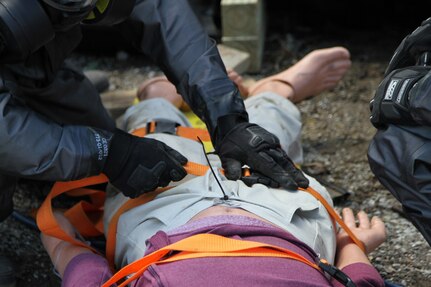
(162, 126)
(339, 275)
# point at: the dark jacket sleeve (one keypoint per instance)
(400, 158)
(33, 146)
(171, 35)
(47, 109)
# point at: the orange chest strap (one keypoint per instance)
(182, 131)
(204, 245)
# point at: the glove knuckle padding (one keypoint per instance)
(391, 102)
(137, 165)
(233, 168)
(146, 179)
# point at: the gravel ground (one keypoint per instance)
(336, 136)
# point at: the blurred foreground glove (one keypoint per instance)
(242, 143)
(392, 102)
(411, 47)
(136, 165)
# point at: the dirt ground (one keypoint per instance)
(335, 138)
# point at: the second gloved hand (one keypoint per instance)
(136, 165)
(252, 145)
(402, 98)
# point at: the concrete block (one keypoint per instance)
(243, 28)
(242, 18)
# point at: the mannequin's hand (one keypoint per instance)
(371, 233)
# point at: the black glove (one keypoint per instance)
(136, 165)
(411, 47)
(241, 143)
(392, 101)
(256, 177)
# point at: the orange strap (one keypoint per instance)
(111, 238)
(186, 132)
(86, 225)
(334, 215)
(204, 245)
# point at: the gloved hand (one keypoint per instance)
(411, 47)
(256, 177)
(241, 143)
(393, 98)
(136, 165)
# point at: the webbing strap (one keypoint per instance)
(47, 223)
(205, 245)
(111, 239)
(334, 215)
(186, 132)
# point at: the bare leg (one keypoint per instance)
(318, 71)
(62, 252)
(159, 87)
(237, 79)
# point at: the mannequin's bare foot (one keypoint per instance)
(318, 71)
(159, 87)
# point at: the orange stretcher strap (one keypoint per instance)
(334, 215)
(204, 245)
(111, 238)
(186, 132)
(47, 223)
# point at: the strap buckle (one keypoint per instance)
(162, 126)
(339, 275)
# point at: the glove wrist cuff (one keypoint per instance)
(118, 153)
(226, 123)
